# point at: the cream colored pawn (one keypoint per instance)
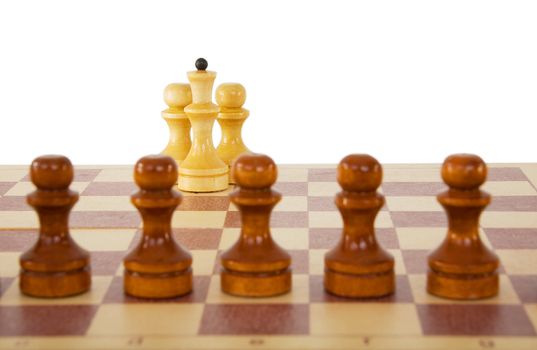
(230, 98)
(202, 170)
(177, 96)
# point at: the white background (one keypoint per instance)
(406, 81)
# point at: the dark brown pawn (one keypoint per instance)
(255, 266)
(463, 267)
(158, 267)
(55, 266)
(358, 266)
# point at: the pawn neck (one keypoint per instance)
(255, 207)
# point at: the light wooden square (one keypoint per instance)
(287, 174)
(518, 261)
(198, 219)
(203, 262)
(400, 268)
(413, 203)
(364, 319)
(420, 237)
(413, 173)
(154, 319)
(323, 189)
(18, 219)
(292, 203)
(418, 285)
(12, 175)
(24, 187)
(9, 264)
(316, 261)
(508, 219)
(299, 293)
(103, 239)
(509, 188)
(530, 170)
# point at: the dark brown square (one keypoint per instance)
(15, 203)
(17, 241)
(322, 175)
(200, 288)
(512, 238)
(106, 263)
(110, 189)
(196, 238)
(321, 204)
(415, 260)
(327, 238)
(326, 204)
(104, 219)
(513, 203)
(506, 174)
(5, 283)
(5, 186)
(292, 188)
(45, 320)
(413, 188)
(418, 219)
(271, 319)
(525, 287)
(475, 320)
(204, 203)
(277, 219)
(403, 293)
(299, 261)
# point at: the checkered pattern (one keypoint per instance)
(306, 223)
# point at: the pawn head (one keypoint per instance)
(52, 172)
(230, 95)
(464, 171)
(155, 172)
(178, 95)
(201, 64)
(359, 173)
(254, 171)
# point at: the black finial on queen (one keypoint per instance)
(201, 64)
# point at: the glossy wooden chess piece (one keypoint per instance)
(202, 170)
(463, 267)
(55, 266)
(230, 98)
(358, 266)
(158, 267)
(255, 266)
(177, 96)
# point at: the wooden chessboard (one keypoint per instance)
(307, 223)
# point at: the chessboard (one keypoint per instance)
(306, 223)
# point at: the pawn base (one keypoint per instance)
(246, 284)
(462, 286)
(157, 285)
(55, 284)
(359, 286)
(212, 183)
